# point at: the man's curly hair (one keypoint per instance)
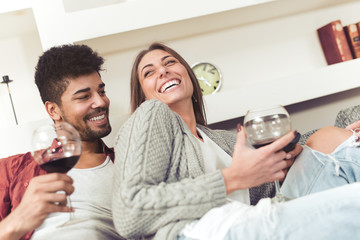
(58, 65)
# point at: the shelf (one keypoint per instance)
(285, 91)
(117, 22)
(267, 34)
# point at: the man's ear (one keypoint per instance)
(53, 110)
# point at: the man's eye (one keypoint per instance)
(103, 92)
(83, 97)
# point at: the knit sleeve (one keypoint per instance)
(148, 192)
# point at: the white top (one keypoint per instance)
(216, 158)
(92, 203)
(216, 222)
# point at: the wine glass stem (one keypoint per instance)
(71, 209)
(277, 188)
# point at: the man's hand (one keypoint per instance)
(40, 199)
(252, 167)
(354, 125)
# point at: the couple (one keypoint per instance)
(165, 182)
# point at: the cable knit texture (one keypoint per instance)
(160, 184)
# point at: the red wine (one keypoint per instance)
(60, 165)
(261, 145)
(287, 148)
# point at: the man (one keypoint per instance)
(31, 205)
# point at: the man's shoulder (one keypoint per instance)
(16, 162)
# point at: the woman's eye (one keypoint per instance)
(147, 73)
(170, 62)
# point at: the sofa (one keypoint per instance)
(344, 118)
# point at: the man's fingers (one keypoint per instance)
(52, 187)
(52, 177)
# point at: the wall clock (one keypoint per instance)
(209, 77)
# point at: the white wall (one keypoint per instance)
(238, 51)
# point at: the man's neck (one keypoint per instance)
(92, 154)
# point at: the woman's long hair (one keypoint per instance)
(138, 96)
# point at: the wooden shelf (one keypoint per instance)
(285, 91)
(155, 20)
(125, 26)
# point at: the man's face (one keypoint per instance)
(85, 105)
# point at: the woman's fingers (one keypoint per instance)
(282, 142)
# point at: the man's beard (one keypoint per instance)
(86, 133)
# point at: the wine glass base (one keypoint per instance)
(73, 221)
(280, 198)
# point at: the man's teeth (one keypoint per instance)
(97, 118)
(169, 85)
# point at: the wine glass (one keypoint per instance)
(265, 125)
(57, 148)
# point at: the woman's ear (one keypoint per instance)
(53, 110)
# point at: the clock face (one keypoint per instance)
(209, 77)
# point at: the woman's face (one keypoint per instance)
(164, 78)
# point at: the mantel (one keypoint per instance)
(285, 91)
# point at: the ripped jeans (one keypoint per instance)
(314, 171)
(331, 212)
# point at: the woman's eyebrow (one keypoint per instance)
(150, 64)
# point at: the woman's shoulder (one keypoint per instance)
(148, 113)
(227, 134)
(152, 107)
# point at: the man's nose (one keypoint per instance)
(99, 101)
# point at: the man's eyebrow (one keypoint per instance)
(101, 85)
(82, 91)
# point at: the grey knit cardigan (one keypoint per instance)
(160, 184)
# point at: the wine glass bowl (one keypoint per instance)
(264, 126)
(57, 148)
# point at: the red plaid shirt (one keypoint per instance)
(15, 174)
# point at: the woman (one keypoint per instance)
(172, 171)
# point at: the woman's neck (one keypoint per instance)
(186, 112)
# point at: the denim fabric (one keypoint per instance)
(314, 171)
(331, 212)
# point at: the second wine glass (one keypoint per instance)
(57, 148)
(265, 125)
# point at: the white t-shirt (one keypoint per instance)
(92, 202)
(215, 223)
(216, 158)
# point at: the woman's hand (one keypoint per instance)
(291, 156)
(252, 167)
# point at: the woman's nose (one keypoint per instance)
(163, 71)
